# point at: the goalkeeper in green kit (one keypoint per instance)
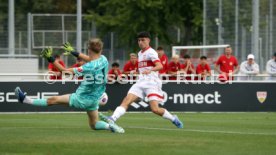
(89, 92)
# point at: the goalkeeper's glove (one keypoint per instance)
(47, 54)
(70, 50)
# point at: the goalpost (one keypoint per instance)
(176, 49)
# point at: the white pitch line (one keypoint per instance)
(151, 128)
(202, 131)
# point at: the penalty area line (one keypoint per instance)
(202, 131)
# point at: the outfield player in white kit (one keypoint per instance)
(149, 84)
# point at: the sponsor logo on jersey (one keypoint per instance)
(261, 96)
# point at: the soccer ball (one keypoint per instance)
(103, 100)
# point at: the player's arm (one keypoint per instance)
(70, 50)
(192, 69)
(256, 69)
(186, 68)
(158, 66)
(217, 68)
(172, 73)
(62, 68)
(47, 54)
(236, 69)
(237, 66)
(84, 57)
(208, 73)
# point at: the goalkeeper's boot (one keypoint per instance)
(115, 128)
(106, 118)
(177, 122)
(20, 94)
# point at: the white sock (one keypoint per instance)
(28, 100)
(168, 115)
(119, 111)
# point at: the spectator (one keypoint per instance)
(131, 67)
(114, 73)
(271, 68)
(79, 62)
(203, 68)
(188, 67)
(248, 68)
(174, 67)
(164, 60)
(53, 69)
(228, 64)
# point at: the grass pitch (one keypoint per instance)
(204, 133)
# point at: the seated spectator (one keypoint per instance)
(131, 67)
(271, 68)
(79, 62)
(174, 67)
(203, 68)
(53, 69)
(248, 68)
(114, 73)
(164, 60)
(188, 67)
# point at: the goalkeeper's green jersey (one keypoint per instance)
(94, 79)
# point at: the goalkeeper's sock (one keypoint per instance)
(168, 115)
(101, 125)
(28, 100)
(40, 102)
(119, 111)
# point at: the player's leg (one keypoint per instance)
(95, 124)
(134, 93)
(154, 106)
(120, 110)
(155, 96)
(23, 98)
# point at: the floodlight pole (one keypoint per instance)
(11, 27)
(79, 25)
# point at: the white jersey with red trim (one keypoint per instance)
(148, 85)
(146, 61)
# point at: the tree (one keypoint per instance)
(156, 16)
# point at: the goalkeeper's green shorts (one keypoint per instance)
(84, 104)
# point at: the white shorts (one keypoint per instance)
(152, 89)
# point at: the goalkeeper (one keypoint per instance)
(90, 90)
